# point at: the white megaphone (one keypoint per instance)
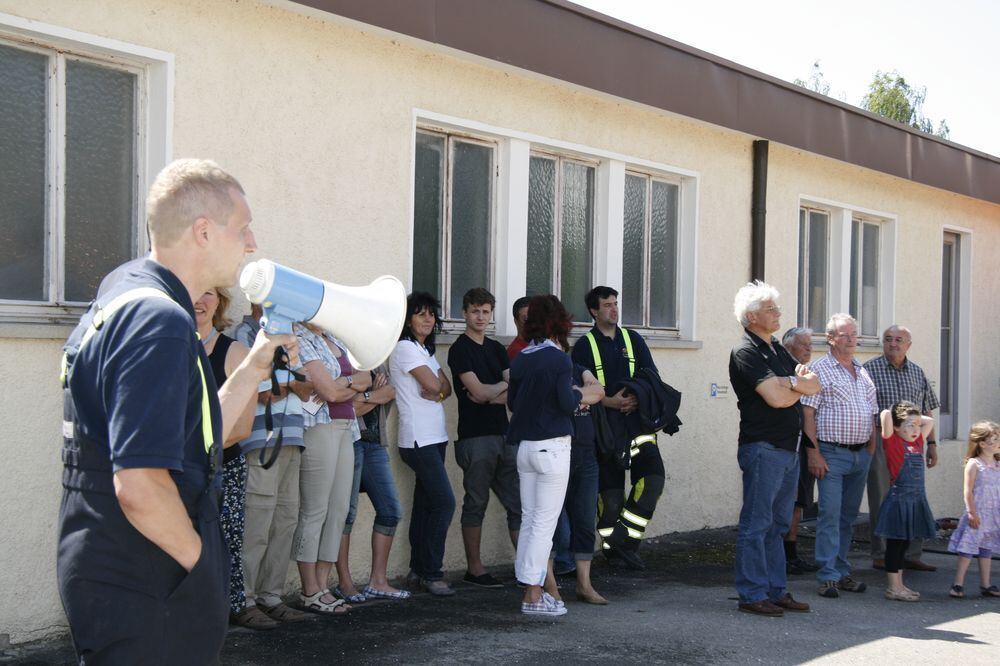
(366, 319)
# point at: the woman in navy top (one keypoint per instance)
(542, 399)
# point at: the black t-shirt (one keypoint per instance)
(487, 361)
(751, 362)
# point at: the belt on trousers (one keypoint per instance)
(849, 447)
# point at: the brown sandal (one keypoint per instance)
(254, 618)
(284, 613)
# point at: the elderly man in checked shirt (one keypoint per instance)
(840, 437)
(897, 378)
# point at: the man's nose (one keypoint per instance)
(251, 242)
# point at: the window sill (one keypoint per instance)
(652, 341)
(43, 322)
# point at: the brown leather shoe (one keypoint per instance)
(762, 607)
(878, 564)
(284, 613)
(918, 565)
(789, 604)
(252, 617)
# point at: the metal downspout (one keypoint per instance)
(758, 210)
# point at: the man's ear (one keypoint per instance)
(200, 229)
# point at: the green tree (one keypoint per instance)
(889, 95)
(816, 81)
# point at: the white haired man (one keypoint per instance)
(840, 433)
(142, 566)
(798, 342)
(768, 384)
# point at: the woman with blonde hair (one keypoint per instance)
(225, 354)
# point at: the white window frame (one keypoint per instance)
(557, 231)
(444, 245)
(511, 221)
(647, 248)
(839, 260)
(154, 124)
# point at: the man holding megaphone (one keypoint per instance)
(142, 565)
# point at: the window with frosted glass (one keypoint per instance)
(649, 252)
(814, 246)
(865, 276)
(452, 217)
(45, 259)
(560, 243)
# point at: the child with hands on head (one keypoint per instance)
(905, 513)
(978, 533)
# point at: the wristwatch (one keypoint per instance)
(793, 381)
(350, 381)
(367, 395)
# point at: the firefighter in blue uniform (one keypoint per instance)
(614, 354)
(143, 570)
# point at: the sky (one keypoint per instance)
(952, 49)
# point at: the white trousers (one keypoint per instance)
(543, 468)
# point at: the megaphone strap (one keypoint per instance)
(280, 362)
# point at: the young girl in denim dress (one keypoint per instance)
(905, 514)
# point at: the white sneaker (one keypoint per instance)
(544, 606)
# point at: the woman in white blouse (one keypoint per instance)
(421, 387)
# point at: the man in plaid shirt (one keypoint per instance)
(840, 437)
(897, 378)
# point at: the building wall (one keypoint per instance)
(316, 119)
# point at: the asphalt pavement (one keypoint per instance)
(682, 610)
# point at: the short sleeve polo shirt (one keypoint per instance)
(752, 361)
(136, 385)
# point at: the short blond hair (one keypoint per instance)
(185, 190)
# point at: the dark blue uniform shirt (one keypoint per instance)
(614, 356)
(134, 396)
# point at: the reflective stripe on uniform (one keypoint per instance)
(639, 521)
(605, 531)
(635, 534)
(599, 367)
(206, 410)
(628, 351)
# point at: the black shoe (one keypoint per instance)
(626, 556)
(483, 580)
(806, 567)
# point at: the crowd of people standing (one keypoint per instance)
(315, 440)
(842, 425)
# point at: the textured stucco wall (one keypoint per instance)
(315, 118)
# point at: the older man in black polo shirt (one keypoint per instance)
(768, 384)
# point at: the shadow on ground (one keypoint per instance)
(681, 610)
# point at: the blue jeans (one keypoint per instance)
(581, 500)
(433, 508)
(373, 474)
(840, 494)
(564, 560)
(770, 479)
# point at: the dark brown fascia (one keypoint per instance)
(570, 43)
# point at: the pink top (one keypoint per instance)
(343, 410)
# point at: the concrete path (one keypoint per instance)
(682, 611)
